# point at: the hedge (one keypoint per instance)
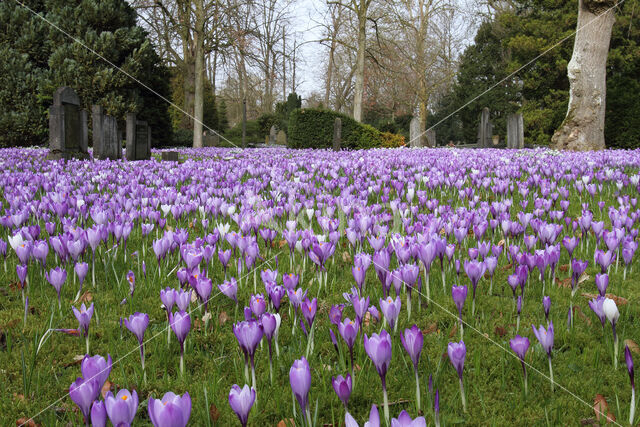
(313, 128)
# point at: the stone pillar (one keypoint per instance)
(431, 138)
(515, 131)
(415, 139)
(281, 138)
(68, 132)
(485, 129)
(131, 136)
(98, 131)
(337, 134)
(111, 139)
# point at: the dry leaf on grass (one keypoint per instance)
(632, 346)
(454, 331)
(618, 300)
(86, 297)
(286, 423)
(564, 268)
(431, 328)
(106, 387)
(214, 414)
(500, 331)
(223, 317)
(346, 257)
(600, 406)
(26, 422)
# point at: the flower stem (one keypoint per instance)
(632, 410)
(464, 400)
(417, 389)
(386, 403)
(551, 374)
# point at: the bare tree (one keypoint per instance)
(583, 127)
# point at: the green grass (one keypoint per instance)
(36, 385)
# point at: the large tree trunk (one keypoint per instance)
(198, 106)
(359, 86)
(583, 128)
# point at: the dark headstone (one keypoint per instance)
(337, 134)
(68, 134)
(281, 138)
(112, 148)
(170, 156)
(98, 138)
(485, 129)
(138, 139)
(210, 140)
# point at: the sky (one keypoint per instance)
(306, 16)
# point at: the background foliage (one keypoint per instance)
(36, 58)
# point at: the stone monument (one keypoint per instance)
(337, 134)
(515, 131)
(138, 139)
(68, 135)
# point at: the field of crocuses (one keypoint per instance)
(279, 287)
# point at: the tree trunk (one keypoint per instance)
(198, 106)
(583, 127)
(359, 86)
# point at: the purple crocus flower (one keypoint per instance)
(546, 305)
(137, 323)
(475, 270)
(378, 348)
(21, 271)
(349, 331)
(391, 309)
(596, 306)
(131, 280)
(249, 334)
(412, 341)
(404, 420)
(230, 289)
(342, 386)
(83, 393)
(168, 298)
(335, 314)
(97, 368)
(610, 310)
(629, 360)
(258, 305)
(172, 411)
(241, 401)
(520, 345)
(122, 407)
(56, 277)
(602, 281)
(98, 414)
(459, 295)
(309, 309)
(545, 337)
(457, 352)
(81, 269)
(300, 381)
(183, 298)
(181, 325)
(84, 318)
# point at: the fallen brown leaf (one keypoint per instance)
(454, 331)
(214, 414)
(618, 300)
(18, 396)
(346, 257)
(507, 267)
(632, 346)
(600, 406)
(106, 387)
(431, 328)
(223, 318)
(367, 319)
(588, 422)
(583, 278)
(564, 268)
(282, 244)
(565, 283)
(500, 331)
(76, 360)
(27, 422)
(286, 423)
(86, 297)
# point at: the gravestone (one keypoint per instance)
(415, 139)
(272, 135)
(337, 134)
(106, 142)
(170, 156)
(67, 126)
(138, 139)
(515, 131)
(211, 140)
(431, 138)
(281, 138)
(485, 129)
(495, 140)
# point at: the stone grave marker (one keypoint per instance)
(170, 156)
(281, 138)
(337, 134)
(138, 139)
(515, 131)
(485, 129)
(67, 126)
(431, 138)
(272, 135)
